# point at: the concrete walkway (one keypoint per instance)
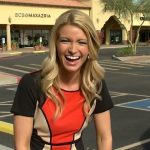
(20, 51)
(136, 59)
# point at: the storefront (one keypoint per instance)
(27, 36)
(112, 32)
(27, 24)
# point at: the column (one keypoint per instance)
(8, 37)
(107, 42)
(124, 37)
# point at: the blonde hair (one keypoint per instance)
(91, 73)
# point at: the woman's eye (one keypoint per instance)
(64, 40)
(82, 43)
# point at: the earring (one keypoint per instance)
(88, 56)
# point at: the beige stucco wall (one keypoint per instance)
(100, 17)
(137, 21)
(17, 14)
(97, 14)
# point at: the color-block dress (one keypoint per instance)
(64, 133)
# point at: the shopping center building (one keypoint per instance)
(27, 21)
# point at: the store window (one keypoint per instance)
(15, 36)
(45, 37)
(27, 38)
(2, 38)
(115, 36)
(36, 35)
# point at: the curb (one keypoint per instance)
(8, 54)
(133, 59)
(6, 127)
(41, 51)
(116, 58)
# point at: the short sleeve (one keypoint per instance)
(25, 98)
(106, 102)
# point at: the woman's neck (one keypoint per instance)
(69, 81)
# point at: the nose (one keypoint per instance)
(73, 48)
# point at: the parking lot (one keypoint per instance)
(129, 87)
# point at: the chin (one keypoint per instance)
(71, 69)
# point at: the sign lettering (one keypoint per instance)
(30, 15)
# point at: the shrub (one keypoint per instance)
(126, 51)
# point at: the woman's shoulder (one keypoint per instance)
(30, 77)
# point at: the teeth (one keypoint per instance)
(72, 57)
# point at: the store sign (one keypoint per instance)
(34, 15)
(145, 18)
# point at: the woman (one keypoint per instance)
(52, 106)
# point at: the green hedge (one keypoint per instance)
(126, 51)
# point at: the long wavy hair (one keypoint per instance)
(91, 72)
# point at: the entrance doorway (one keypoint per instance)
(115, 36)
(112, 31)
(144, 36)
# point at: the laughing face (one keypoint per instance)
(72, 48)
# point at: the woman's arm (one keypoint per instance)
(22, 132)
(103, 130)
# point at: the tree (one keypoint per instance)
(129, 9)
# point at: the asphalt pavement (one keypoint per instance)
(124, 96)
(6, 79)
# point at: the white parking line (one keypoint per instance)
(12, 89)
(35, 65)
(117, 94)
(4, 114)
(13, 69)
(125, 106)
(8, 115)
(122, 63)
(133, 145)
(132, 102)
(3, 102)
(2, 147)
(147, 96)
(27, 67)
(134, 74)
(110, 68)
(116, 66)
(133, 108)
(7, 85)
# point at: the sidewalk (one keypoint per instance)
(135, 59)
(20, 51)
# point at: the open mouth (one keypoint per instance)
(72, 58)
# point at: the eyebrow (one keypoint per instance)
(61, 37)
